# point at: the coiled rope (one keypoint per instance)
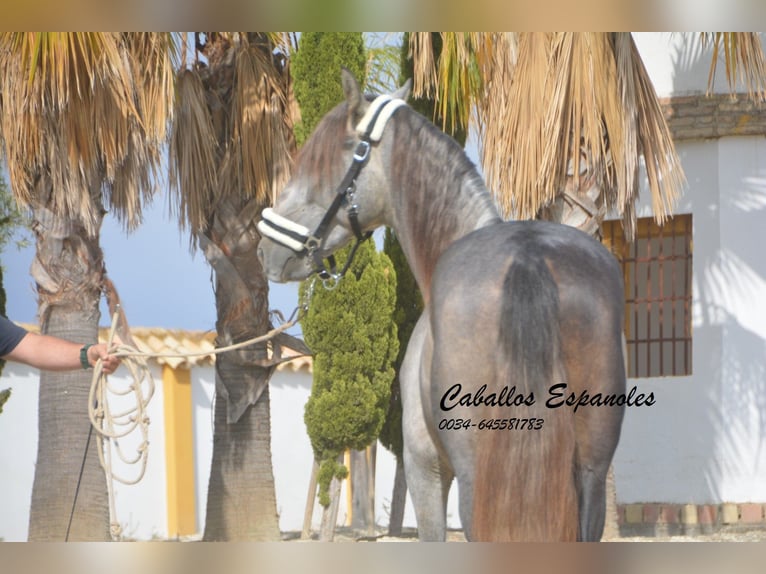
(112, 426)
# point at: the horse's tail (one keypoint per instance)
(524, 487)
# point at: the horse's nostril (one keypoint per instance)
(260, 254)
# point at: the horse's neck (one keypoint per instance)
(435, 212)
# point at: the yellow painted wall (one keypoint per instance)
(179, 452)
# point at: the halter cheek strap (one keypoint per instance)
(296, 236)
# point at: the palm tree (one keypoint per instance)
(230, 149)
(84, 116)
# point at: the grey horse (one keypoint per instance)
(513, 381)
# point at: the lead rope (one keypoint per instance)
(111, 427)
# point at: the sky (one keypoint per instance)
(160, 281)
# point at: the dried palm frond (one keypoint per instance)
(193, 153)
(72, 115)
(232, 131)
(585, 113)
(655, 144)
(513, 114)
(600, 108)
(743, 57)
(259, 140)
(555, 109)
(421, 51)
(454, 81)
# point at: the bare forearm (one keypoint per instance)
(47, 353)
(53, 354)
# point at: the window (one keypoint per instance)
(657, 267)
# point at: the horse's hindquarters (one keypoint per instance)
(517, 310)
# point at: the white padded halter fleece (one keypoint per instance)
(388, 105)
(269, 214)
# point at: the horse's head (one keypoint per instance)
(338, 190)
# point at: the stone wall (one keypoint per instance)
(663, 519)
(714, 116)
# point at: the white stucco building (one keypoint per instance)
(702, 444)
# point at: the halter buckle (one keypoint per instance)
(362, 151)
(312, 243)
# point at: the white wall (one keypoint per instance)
(18, 449)
(141, 508)
(703, 440)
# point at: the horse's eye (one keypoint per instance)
(349, 143)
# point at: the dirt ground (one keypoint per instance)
(410, 535)
(755, 535)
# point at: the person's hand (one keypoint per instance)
(109, 362)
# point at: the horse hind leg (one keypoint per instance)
(598, 432)
(429, 477)
(591, 503)
(428, 481)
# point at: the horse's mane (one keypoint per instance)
(445, 195)
(441, 162)
(439, 195)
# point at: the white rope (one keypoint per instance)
(112, 426)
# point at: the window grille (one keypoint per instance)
(657, 267)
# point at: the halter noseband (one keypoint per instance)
(297, 237)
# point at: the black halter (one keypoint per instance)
(297, 237)
(344, 197)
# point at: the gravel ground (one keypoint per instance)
(410, 535)
(758, 535)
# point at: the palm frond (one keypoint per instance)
(585, 116)
(515, 103)
(75, 111)
(259, 130)
(655, 144)
(232, 132)
(193, 153)
(383, 64)
(742, 53)
(453, 80)
(555, 111)
(424, 78)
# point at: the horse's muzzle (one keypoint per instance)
(282, 265)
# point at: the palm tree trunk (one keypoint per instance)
(241, 502)
(68, 271)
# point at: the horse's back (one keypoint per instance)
(575, 259)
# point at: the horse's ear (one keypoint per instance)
(354, 95)
(404, 92)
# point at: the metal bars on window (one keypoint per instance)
(657, 268)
